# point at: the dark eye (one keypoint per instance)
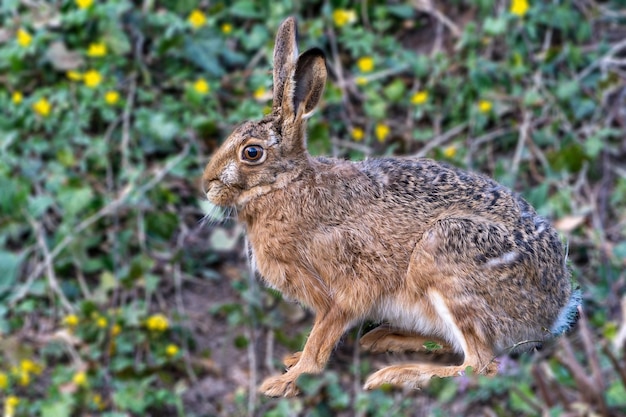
(252, 153)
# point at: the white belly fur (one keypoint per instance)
(428, 317)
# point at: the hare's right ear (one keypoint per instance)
(285, 57)
(310, 80)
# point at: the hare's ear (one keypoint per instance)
(285, 56)
(309, 79)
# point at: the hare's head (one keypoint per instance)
(260, 156)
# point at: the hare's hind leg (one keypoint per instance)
(460, 310)
(477, 355)
(386, 338)
(415, 376)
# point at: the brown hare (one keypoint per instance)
(436, 252)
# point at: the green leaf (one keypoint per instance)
(616, 395)
(14, 194)
(38, 205)
(108, 282)
(223, 240)
(395, 91)
(403, 11)
(619, 251)
(495, 26)
(245, 9)
(75, 200)
(9, 267)
(567, 89)
(60, 408)
(593, 146)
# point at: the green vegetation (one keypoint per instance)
(116, 299)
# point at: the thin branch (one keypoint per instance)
(584, 383)
(621, 370)
(594, 362)
(521, 141)
(441, 139)
(615, 49)
(53, 283)
(351, 145)
(130, 101)
(426, 6)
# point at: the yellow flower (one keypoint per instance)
(111, 97)
(358, 134)
(381, 131)
(9, 405)
(17, 97)
(23, 378)
(419, 97)
(227, 28)
(449, 151)
(84, 4)
(102, 322)
(519, 7)
(4, 380)
(365, 64)
(42, 107)
(201, 86)
(115, 330)
(484, 106)
(98, 402)
(197, 18)
(92, 78)
(74, 75)
(342, 17)
(23, 38)
(360, 80)
(71, 320)
(80, 379)
(259, 93)
(29, 366)
(97, 49)
(157, 323)
(171, 350)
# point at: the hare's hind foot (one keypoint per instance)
(416, 376)
(385, 338)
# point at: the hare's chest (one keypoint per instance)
(267, 263)
(280, 263)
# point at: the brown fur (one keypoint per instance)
(440, 253)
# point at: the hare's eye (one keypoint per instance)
(252, 153)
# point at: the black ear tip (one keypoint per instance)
(312, 54)
(316, 52)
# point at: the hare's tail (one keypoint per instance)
(568, 314)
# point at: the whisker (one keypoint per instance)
(215, 215)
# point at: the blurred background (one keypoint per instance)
(120, 297)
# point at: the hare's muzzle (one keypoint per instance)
(212, 189)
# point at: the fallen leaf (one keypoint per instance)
(63, 59)
(569, 223)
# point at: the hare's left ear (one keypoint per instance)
(285, 57)
(309, 79)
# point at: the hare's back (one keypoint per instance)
(436, 189)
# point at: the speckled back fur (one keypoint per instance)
(435, 252)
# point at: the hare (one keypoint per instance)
(436, 252)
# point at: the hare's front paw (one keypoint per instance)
(279, 386)
(290, 360)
